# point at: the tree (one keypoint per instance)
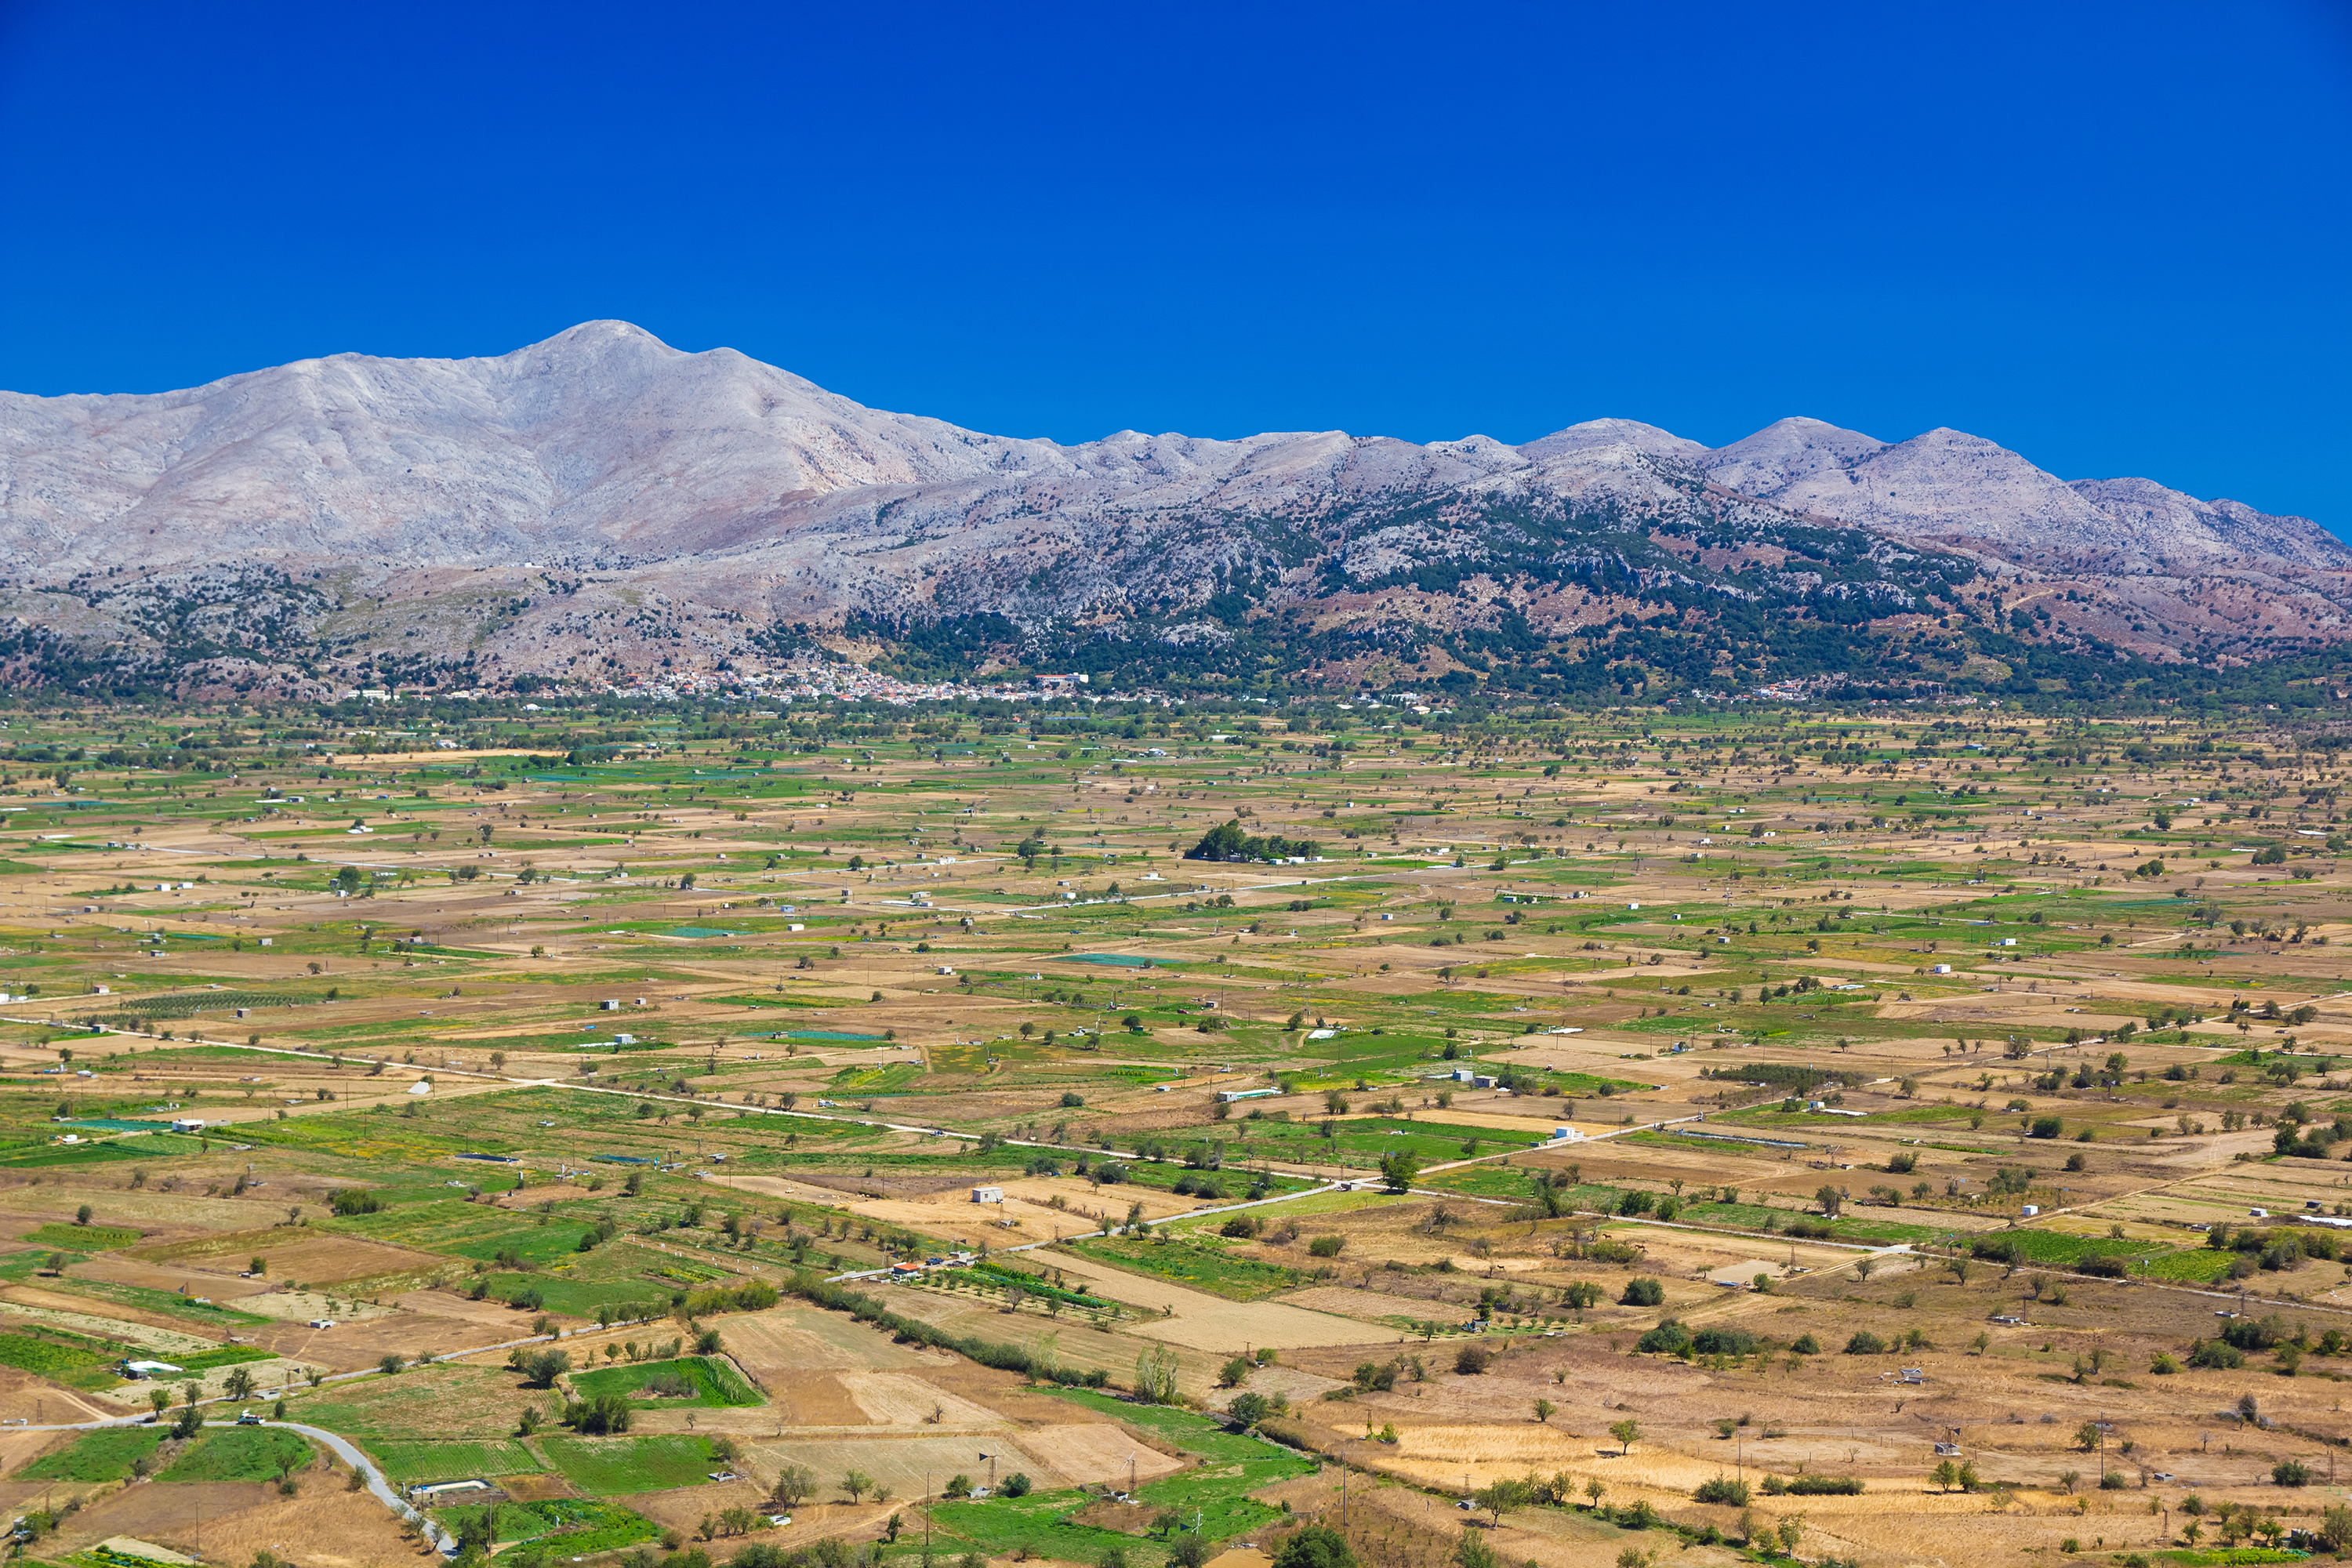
(2334, 1530)
(1595, 1489)
(1249, 1409)
(1472, 1552)
(1945, 1475)
(1187, 1551)
(1316, 1546)
(81, 1215)
(1155, 1376)
(1790, 1530)
(1500, 1497)
(1544, 1409)
(857, 1483)
(238, 1385)
(2088, 1436)
(1234, 1372)
(1627, 1433)
(794, 1485)
(541, 1368)
(1399, 1170)
(1829, 1199)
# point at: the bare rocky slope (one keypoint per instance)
(601, 506)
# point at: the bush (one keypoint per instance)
(752, 1296)
(1669, 1338)
(606, 1414)
(1317, 1546)
(1724, 1341)
(1864, 1343)
(2046, 1127)
(1825, 1486)
(2256, 1334)
(1327, 1246)
(1471, 1360)
(2212, 1355)
(1642, 1291)
(1722, 1489)
(1017, 1484)
(2291, 1473)
(1805, 1344)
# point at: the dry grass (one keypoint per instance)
(903, 1399)
(784, 1342)
(1211, 1323)
(325, 1525)
(293, 1254)
(1092, 1451)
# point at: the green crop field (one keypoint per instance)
(1200, 1264)
(239, 1454)
(83, 1237)
(610, 1466)
(708, 1382)
(573, 1526)
(46, 1358)
(410, 1464)
(106, 1456)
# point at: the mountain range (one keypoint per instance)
(602, 509)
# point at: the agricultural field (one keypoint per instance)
(1651, 1129)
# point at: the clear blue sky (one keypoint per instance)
(2113, 237)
